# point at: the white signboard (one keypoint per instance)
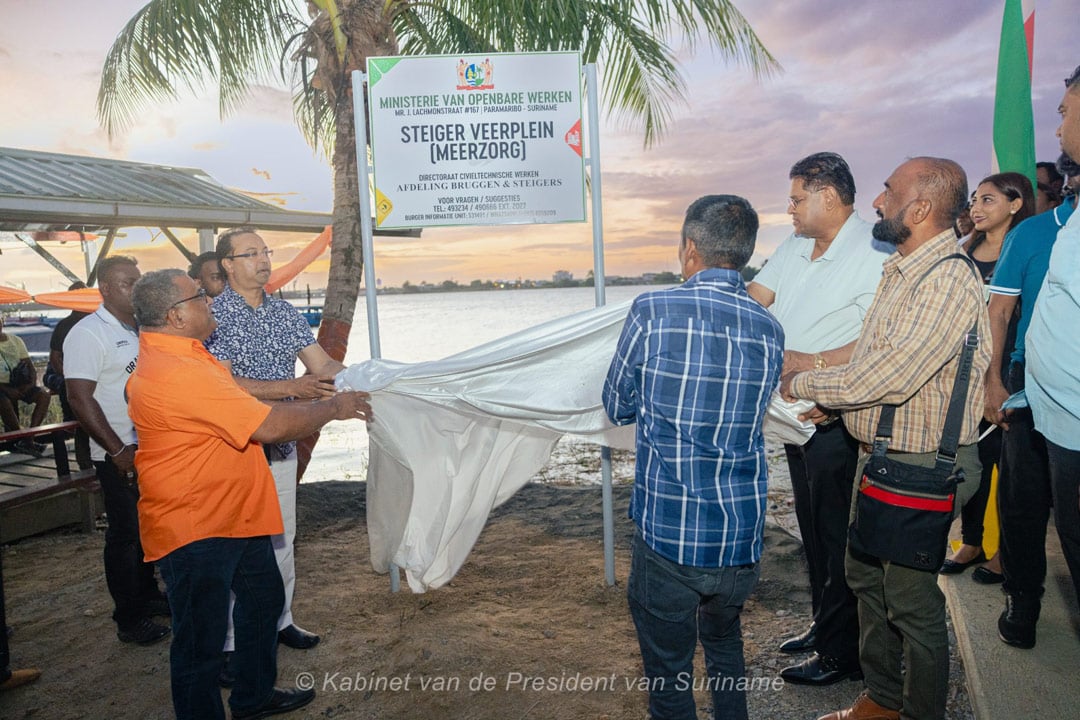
(484, 140)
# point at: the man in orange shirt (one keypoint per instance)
(208, 504)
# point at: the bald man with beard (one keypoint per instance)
(908, 356)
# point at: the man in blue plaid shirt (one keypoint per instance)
(695, 367)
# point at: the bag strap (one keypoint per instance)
(954, 415)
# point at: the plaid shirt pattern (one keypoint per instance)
(909, 350)
(694, 368)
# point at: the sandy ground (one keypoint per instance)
(528, 628)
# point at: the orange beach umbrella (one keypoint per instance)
(282, 275)
(9, 296)
(84, 300)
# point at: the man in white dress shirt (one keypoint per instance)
(819, 284)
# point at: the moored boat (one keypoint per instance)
(311, 313)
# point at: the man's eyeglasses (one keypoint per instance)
(201, 295)
(267, 253)
(794, 202)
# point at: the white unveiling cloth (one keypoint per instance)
(782, 422)
(454, 438)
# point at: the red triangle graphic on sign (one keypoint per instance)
(573, 137)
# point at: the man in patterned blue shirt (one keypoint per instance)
(694, 368)
(260, 339)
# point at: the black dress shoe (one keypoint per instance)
(821, 670)
(297, 638)
(951, 567)
(282, 701)
(144, 632)
(226, 676)
(986, 576)
(801, 643)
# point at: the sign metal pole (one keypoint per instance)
(367, 242)
(598, 284)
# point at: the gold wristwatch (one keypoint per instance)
(819, 362)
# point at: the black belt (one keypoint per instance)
(273, 455)
(867, 448)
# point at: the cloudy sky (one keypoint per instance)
(875, 81)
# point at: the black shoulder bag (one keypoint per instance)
(20, 374)
(903, 512)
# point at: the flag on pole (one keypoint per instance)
(1014, 122)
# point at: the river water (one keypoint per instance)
(430, 326)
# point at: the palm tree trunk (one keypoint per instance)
(346, 255)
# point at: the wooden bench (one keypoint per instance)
(57, 433)
(47, 504)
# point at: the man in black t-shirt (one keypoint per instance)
(54, 379)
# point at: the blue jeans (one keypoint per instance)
(673, 607)
(198, 578)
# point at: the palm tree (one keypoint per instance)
(170, 44)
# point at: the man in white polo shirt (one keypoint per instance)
(819, 284)
(99, 356)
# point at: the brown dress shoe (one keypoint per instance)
(20, 677)
(863, 709)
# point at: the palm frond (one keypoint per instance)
(640, 80)
(173, 44)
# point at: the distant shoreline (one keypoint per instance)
(407, 288)
(28, 311)
(487, 286)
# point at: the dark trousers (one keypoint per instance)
(82, 440)
(1065, 485)
(676, 606)
(973, 513)
(198, 578)
(131, 581)
(822, 477)
(1024, 499)
(1036, 475)
(904, 643)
